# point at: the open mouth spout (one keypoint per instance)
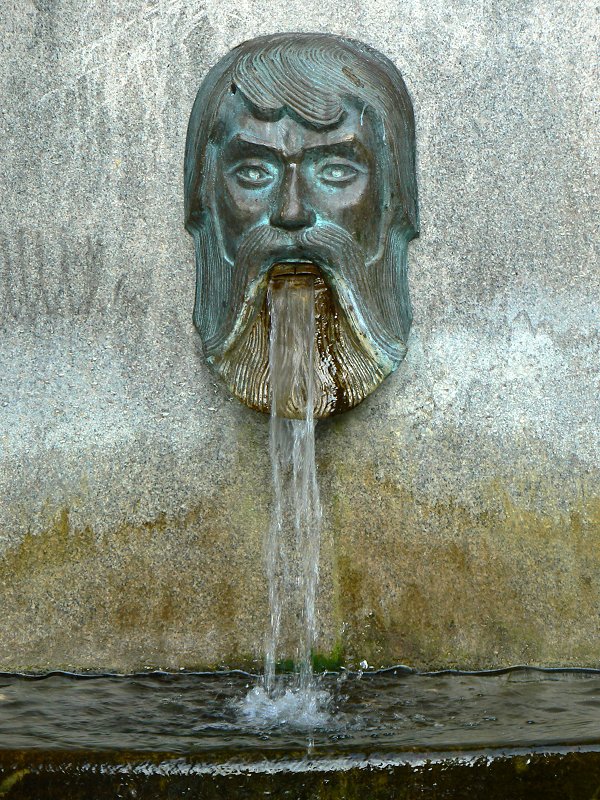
(293, 269)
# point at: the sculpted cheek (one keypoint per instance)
(243, 209)
(344, 203)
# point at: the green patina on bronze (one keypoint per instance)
(301, 154)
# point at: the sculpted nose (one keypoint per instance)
(292, 211)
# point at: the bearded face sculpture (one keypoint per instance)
(300, 160)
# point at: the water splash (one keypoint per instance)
(300, 709)
(293, 540)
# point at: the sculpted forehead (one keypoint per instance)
(289, 136)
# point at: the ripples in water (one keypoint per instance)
(185, 713)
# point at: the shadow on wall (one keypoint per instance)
(63, 277)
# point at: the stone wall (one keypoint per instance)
(462, 499)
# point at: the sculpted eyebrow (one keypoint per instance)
(242, 146)
(349, 147)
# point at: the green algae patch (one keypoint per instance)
(505, 574)
(164, 594)
(8, 783)
(473, 586)
(329, 662)
(321, 662)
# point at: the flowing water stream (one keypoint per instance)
(292, 543)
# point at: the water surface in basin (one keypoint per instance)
(373, 712)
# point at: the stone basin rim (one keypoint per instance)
(165, 764)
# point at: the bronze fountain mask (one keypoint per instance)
(300, 159)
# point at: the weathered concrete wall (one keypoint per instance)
(462, 500)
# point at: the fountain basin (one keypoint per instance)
(393, 734)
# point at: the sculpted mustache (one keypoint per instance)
(331, 247)
(342, 260)
(234, 289)
(328, 244)
(237, 289)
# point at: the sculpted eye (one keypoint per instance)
(253, 175)
(338, 172)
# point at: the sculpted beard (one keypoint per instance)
(362, 311)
